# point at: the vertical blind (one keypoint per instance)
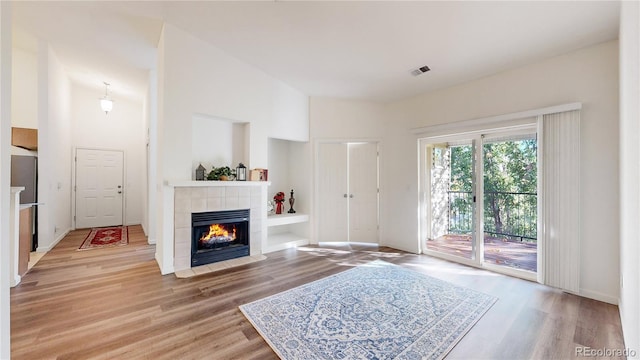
(561, 200)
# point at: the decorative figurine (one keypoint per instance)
(291, 201)
(279, 199)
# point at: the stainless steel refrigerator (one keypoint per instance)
(24, 172)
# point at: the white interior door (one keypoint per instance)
(333, 189)
(99, 188)
(363, 192)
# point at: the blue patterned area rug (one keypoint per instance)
(374, 311)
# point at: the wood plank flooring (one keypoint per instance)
(114, 304)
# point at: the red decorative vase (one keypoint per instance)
(278, 207)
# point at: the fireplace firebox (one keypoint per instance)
(218, 236)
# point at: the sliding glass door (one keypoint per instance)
(480, 199)
(451, 209)
(510, 212)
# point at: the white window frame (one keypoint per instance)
(525, 121)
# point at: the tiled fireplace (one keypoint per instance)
(219, 236)
(207, 196)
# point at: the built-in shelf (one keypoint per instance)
(282, 240)
(286, 219)
(288, 171)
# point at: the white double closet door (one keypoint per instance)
(348, 192)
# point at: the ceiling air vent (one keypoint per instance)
(420, 70)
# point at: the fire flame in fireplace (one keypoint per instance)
(218, 233)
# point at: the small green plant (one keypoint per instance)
(220, 173)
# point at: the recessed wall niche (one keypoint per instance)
(218, 142)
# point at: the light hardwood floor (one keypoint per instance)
(114, 304)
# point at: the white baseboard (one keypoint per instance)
(16, 280)
(169, 270)
(403, 248)
(46, 249)
(144, 230)
(150, 241)
(599, 296)
(62, 235)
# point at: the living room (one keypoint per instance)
(219, 85)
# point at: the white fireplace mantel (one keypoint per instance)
(207, 183)
(184, 197)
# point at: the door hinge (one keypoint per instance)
(75, 188)
(75, 159)
(474, 198)
(74, 218)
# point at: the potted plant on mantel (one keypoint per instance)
(223, 173)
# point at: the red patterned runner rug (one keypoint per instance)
(106, 237)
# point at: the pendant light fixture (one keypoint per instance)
(105, 102)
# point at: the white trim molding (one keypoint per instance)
(595, 295)
(499, 121)
(14, 227)
(74, 192)
(558, 132)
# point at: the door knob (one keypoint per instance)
(119, 192)
(351, 196)
(345, 196)
(119, 186)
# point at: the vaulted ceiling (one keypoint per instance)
(363, 50)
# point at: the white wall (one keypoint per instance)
(630, 173)
(145, 195)
(54, 151)
(151, 104)
(589, 76)
(201, 79)
(350, 121)
(216, 142)
(290, 113)
(24, 89)
(288, 162)
(211, 143)
(60, 144)
(279, 168)
(46, 240)
(346, 119)
(197, 78)
(5, 177)
(122, 129)
(164, 250)
(300, 174)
